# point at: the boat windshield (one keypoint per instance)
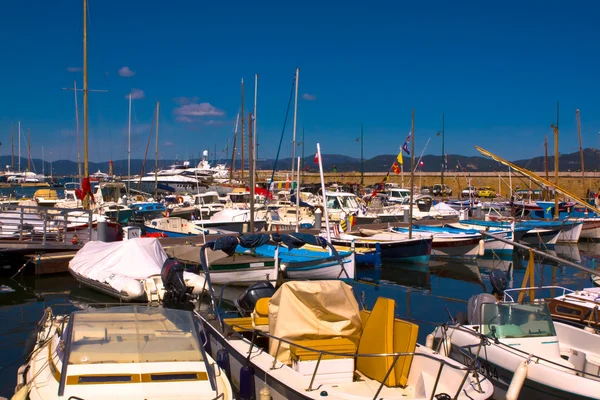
(133, 334)
(207, 199)
(348, 202)
(514, 320)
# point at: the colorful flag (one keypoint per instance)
(316, 157)
(399, 158)
(395, 168)
(405, 145)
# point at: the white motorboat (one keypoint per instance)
(232, 220)
(523, 352)
(131, 352)
(129, 270)
(309, 340)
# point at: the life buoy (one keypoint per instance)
(179, 200)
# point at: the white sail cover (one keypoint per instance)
(117, 263)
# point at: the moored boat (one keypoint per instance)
(129, 352)
(334, 350)
(129, 270)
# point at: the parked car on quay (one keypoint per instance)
(486, 192)
(441, 190)
(469, 191)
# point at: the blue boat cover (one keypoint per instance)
(290, 240)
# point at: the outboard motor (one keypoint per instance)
(177, 294)
(247, 300)
(499, 281)
(474, 308)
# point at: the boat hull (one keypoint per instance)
(463, 248)
(410, 251)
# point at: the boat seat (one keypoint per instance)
(378, 338)
(241, 324)
(260, 315)
(405, 341)
(382, 333)
(335, 345)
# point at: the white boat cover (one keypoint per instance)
(117, 263)
(444, 208)
(306, 310)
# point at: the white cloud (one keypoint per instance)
(126, 72)
(198, 110)
(74, 69)
(309, 97)
(136, 94)
(168, 144)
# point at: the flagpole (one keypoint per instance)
(324, 196)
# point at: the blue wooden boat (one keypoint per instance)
(416, 250)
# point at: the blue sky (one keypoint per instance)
(496, 70)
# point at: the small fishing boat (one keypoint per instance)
(392, 248)
(239, 268)
(128, 270)
(310, 340)
(128, 352)
(576, 307)
(446, 243)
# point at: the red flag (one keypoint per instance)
(395, 168)
(316, 157)
(421, 163)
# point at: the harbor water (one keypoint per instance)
(426, 294)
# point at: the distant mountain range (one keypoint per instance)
(382, 163)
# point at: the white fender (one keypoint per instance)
(194, 280)
(481, 247)
(429, 341)
(133, 287)
(516, 384)
(265, 393)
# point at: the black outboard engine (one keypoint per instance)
(247, 300)
(498, 281)
(177, 294)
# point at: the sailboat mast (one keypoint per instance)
(581, 153)
(412, 175)
(555, 127)
(29, 149)
(77, 127)
(242, 168)
(12, 146)
(19, 146)
(156, 154)
(129, 147)
(232, 169)
(254, 142)
(295, 118)
(86, 172)
(251, 177)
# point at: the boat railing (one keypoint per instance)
(45, 225)
(508, 293)
(473, 362)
